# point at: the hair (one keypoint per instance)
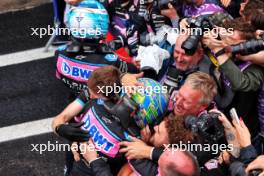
(219, 18)
(171, 166)
(204, 83)
(252, 6)
(176, 130)
(239, 24)
(105, 76)
(257, 19)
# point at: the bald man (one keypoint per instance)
(178, 163)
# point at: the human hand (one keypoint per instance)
(137, 64)
(226, 3)
(130, 82)
(254, 58)
(171, 12)
(259, 33)
(230, 133)
(145, 134)
(72, 132)
(88, 151)
(136, 149)
(184, 24)
(258, 163)
(211, 41)
(74, 150)
(224, 157)
(242, 133)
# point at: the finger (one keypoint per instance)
(228, 2)
(123, 150)
(74, 147)
(170, 6)
(129, 155)
(76, 157)
(261, 174)
(139, 75)
(82, 132)
(236, 124)
(216, 111)
(139, 84)
(222, 119)
(224, 3)
(77, 125)
(81, 137)
(130, 89)
(242, 123)
(134, 139)
(253, 165)
(124, 143)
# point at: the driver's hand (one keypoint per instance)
(130, 83)
(72, 132)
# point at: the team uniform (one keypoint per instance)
(74, 69)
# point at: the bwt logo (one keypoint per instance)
(96, 135)
(75, 71)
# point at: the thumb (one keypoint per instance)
(77, 125)
(139, 75)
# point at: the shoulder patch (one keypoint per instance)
(111, 57)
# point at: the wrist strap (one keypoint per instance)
(219, 53)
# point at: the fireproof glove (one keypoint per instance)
(73, 132)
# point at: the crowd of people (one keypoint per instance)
(209, 56)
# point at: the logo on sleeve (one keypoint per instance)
(111, 57)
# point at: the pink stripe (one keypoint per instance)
(73, 70)
(135, 172)
(110, 145)
(58, 75)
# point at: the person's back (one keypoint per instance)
(106, 133)
(88, 24)
(75, 68)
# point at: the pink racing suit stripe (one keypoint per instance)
(102, 139)
(74, 70)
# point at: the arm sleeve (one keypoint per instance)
(100, 168)
(156, 154)
(248, 154)
(250, 80)
(144, 167)
(125, 67)
(83, 97)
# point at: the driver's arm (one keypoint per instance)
(67, 114)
